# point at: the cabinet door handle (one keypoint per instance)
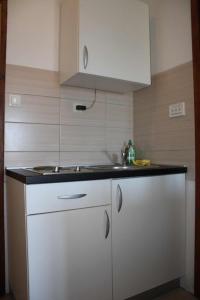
(107, 220)
(85, 57)
(119, 198)
(68, 197)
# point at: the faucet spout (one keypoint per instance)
(124, 153)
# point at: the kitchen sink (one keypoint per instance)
(111, 167)
(120, 167)
(53, 170)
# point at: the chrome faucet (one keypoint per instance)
(124, 153)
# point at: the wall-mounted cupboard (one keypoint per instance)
(105, 44)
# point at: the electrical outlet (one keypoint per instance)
(177, 110)
(78, 107)
(15, 100)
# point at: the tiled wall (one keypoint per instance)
(158, 137)
(46, 130)
(166, 140)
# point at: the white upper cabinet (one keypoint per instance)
(104, 44)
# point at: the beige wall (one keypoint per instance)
(170, 22)
(33, 31)
(159, 137)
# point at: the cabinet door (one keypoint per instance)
(69, 255)
(148, 217)
(116, 34)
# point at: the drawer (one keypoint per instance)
(44, 198)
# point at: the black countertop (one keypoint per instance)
(28, 177)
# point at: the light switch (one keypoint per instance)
(177, 110)
(15, 100)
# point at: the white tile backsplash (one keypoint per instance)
(116, 137)
(31, 159)
(120, 99)
(92, 117)
(118, 116)
(76, 93)
(84, 158)
(31, 81)
(31, 137)
(82, 138)
(34, 109)
(45, 129)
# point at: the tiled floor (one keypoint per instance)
(175, 295)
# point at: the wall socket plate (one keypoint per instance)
(76, 110)
(15, 100)
(177, 110)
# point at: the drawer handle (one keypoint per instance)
(75, 196)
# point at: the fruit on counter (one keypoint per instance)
(141, 162)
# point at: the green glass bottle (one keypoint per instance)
(131, 153)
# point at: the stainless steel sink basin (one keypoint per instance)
(124, 167)
(110, 167)
(53, 170)
(119, 167)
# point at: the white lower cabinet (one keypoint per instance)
(60, 240)
(70, 255)
(60, 237)
(148, 233)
